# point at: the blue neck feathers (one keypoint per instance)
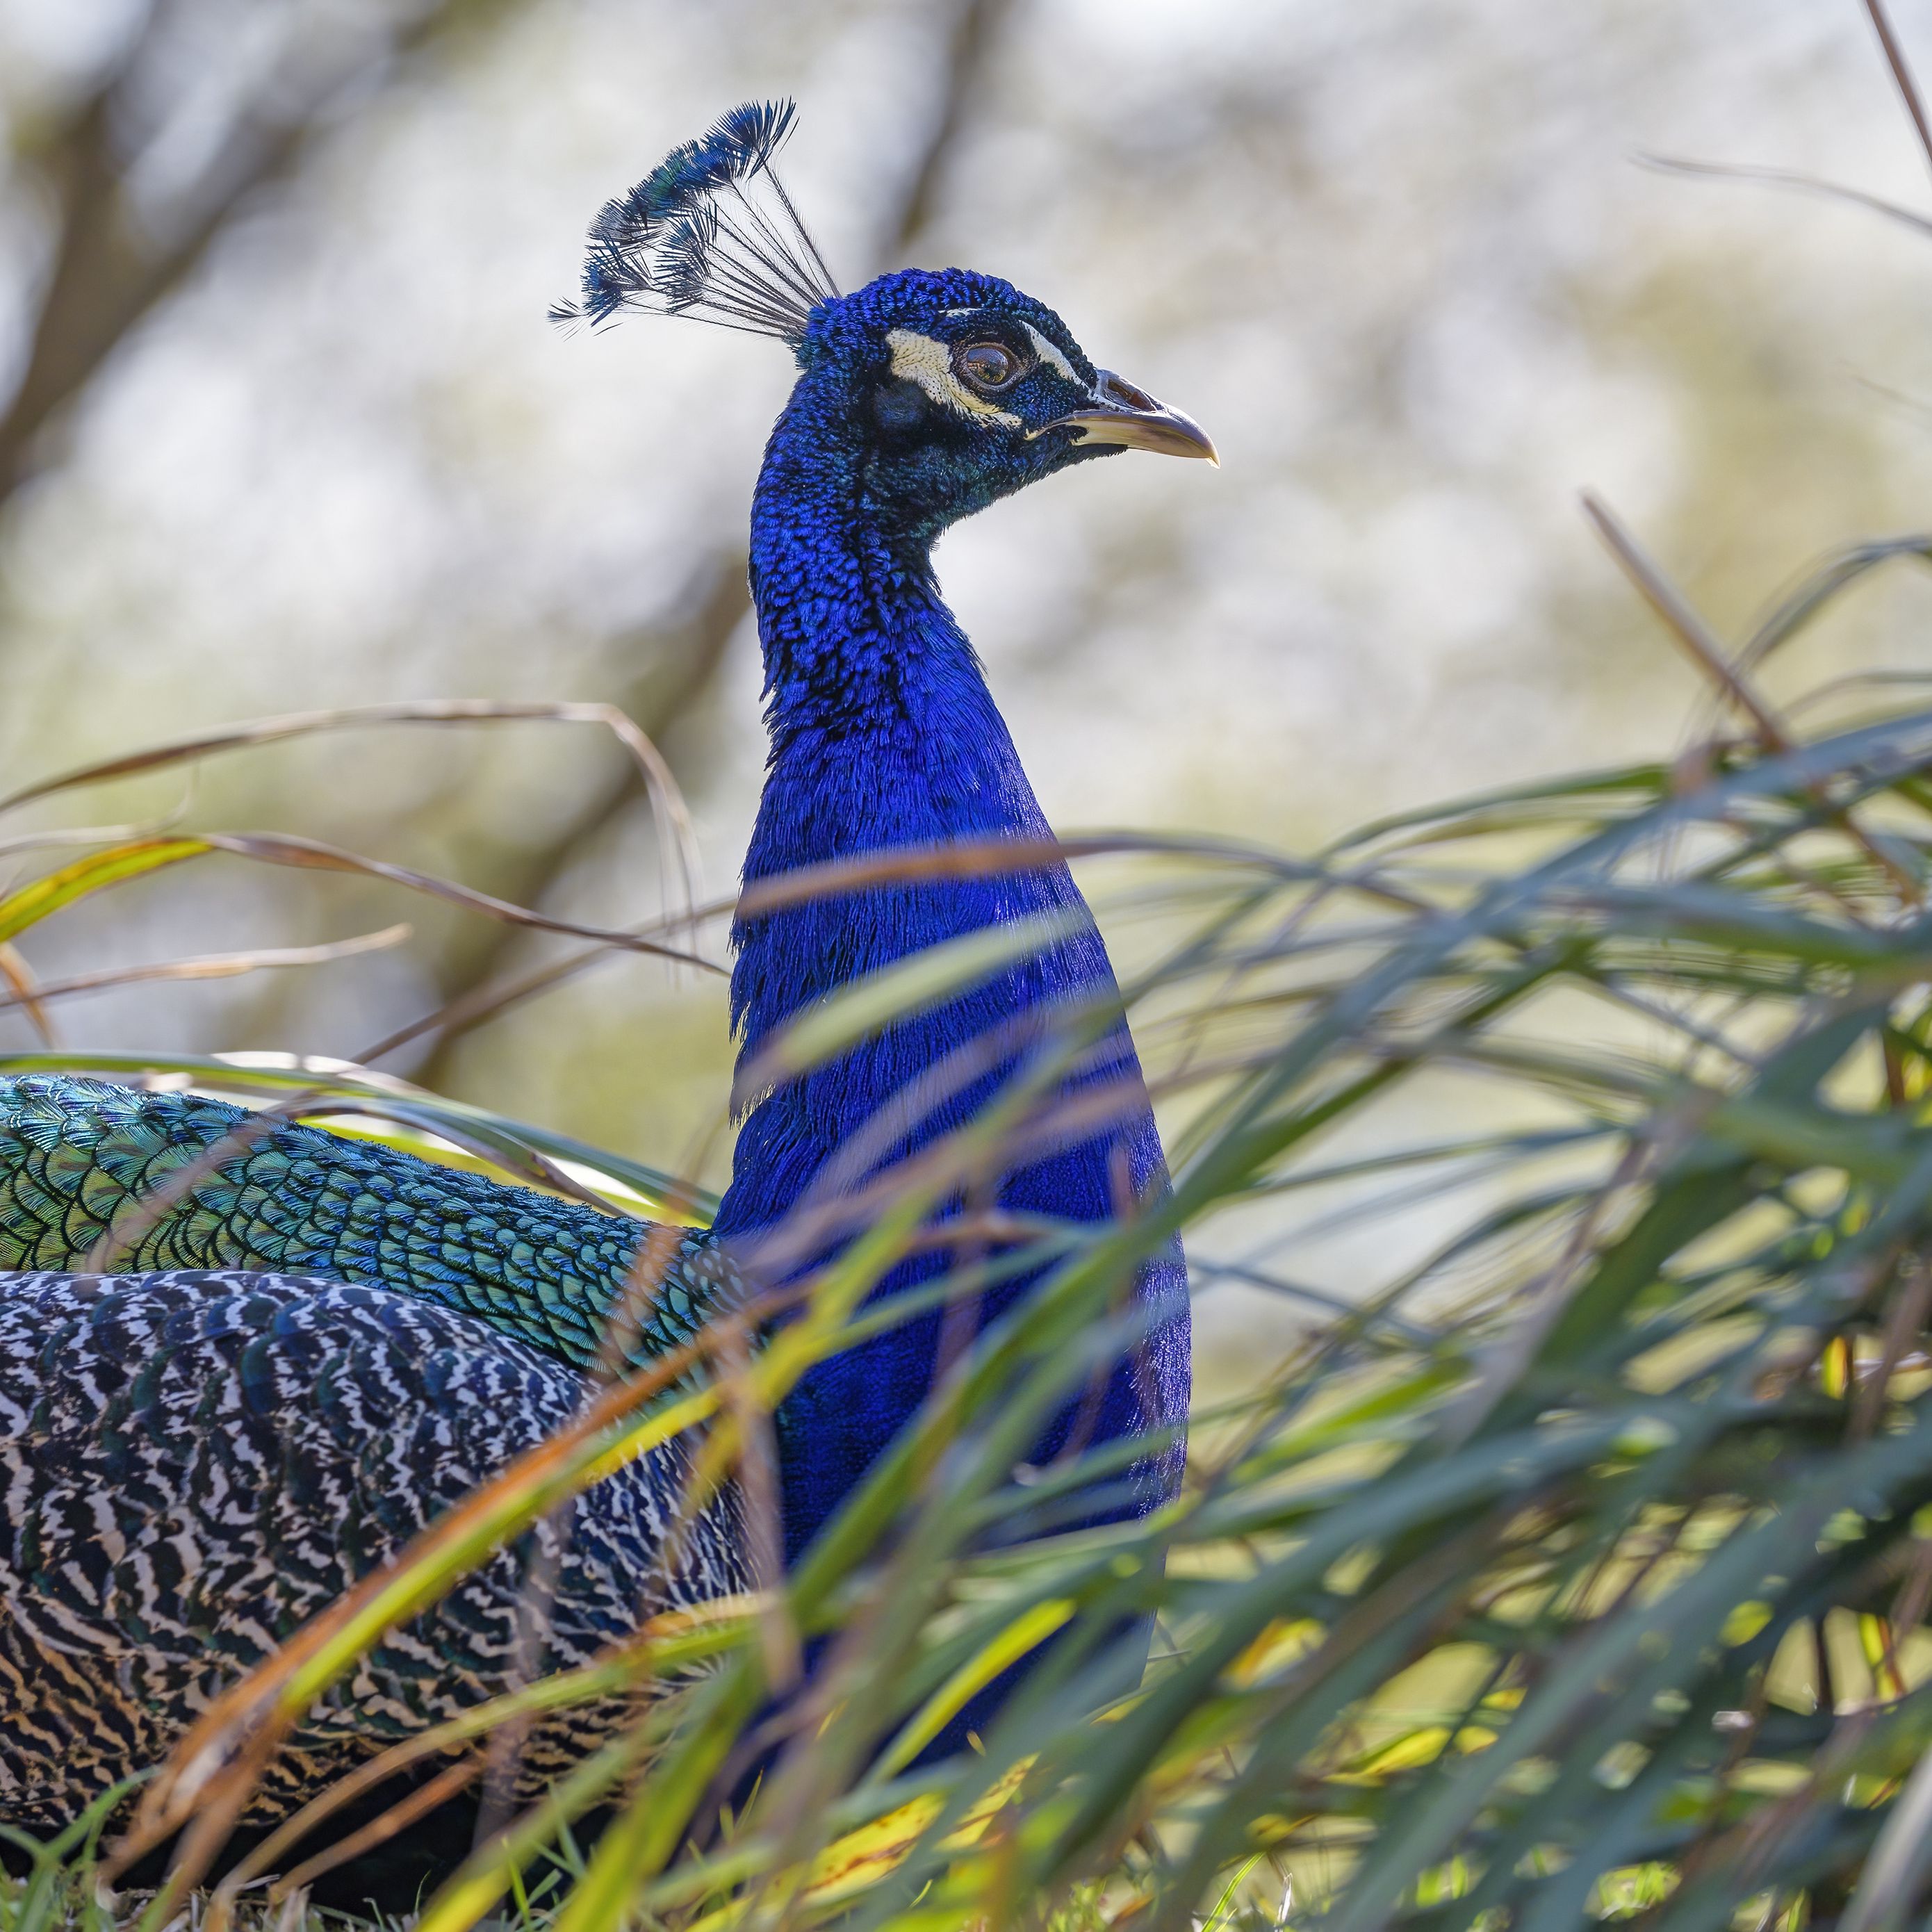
(884, 733)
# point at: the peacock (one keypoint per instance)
(318, 1343)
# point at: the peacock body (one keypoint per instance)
(324, 1343)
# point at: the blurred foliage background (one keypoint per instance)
(282, 425)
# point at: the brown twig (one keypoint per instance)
(1709, 655)
(1789, 179)
(1901, 72)
(680, 661)
(679, 843)
(31, 993)
(758, 1492)
(1904, 1325)
(1684, 624)
(419, 1803)
(28, 991)
(283, 848)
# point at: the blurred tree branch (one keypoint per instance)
(114, 257)
(678, 666)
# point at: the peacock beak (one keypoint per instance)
(1129, 415)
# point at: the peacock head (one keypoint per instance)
(946, 390)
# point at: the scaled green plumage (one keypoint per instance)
(76, 1156)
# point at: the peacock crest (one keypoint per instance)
(710, 233)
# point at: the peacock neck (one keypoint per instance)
(882, 733)
(858, 644)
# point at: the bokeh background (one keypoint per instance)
(282, 425)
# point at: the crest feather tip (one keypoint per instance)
(711, 233)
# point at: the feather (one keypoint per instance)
(710, 233)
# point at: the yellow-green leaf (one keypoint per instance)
(34, 902)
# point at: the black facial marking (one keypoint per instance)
(900, 408)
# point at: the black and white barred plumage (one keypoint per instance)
(194, 1463)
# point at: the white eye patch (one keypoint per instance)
(1047, 353)
(920, 359)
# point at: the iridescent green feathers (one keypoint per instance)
(710, 233)
(78, 1156)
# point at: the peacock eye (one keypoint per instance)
(987, 365)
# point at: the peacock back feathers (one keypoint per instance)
(78, 1158)
(194, 1464)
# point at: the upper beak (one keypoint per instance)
(1129, 415)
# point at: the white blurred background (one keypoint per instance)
(288, 428)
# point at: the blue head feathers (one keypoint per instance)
(711, 233)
